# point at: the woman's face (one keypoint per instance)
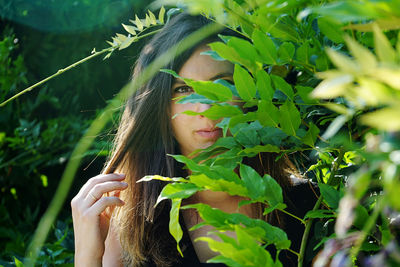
(195, 132)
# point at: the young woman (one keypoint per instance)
(138, 233)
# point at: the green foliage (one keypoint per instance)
(360, 78)
(306, 67)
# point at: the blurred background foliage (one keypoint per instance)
(348, 139)
(38, 131)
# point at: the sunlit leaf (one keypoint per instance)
(364, 57)
(264, 86)
(311, 135)
(252, 151)
(129, 29)
(387, 119)
(319, 214)
(177, 191)
(232, 188)
(383, 48)
(333, 87)
(161, 15)
(331, 28)
(152, 17)
(267, 113)
(289, 118)
(344, 63)
(330, 194)
(138, 23)
(286, 52)
(174, 226)
(244, 83)
(265, 47)
(283, 86)
(216, 112)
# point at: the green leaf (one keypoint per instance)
(228, 221)
(261, 189)
(217, 112)
(383, 48)
(265, 47)
(387, 119)
(335, 126)
(218, 185)
(195, 98)
(161, 15)
(304, 52)
(129, 29)
(247, 135)
(153, 19)
(264, 86)
(211, 90)
(290, 118)
(361, 217)
(331, 29)
(18, 263)
(319, 214)
(161, 178)
(244, 83)
(330, 194)
(252, 151)
(249, 116)
(230, 54)
(138, 23)
(268, 114)
(271, 135)
(286, 52)
(273, 191)
(147, 21)
(127, 42)
(311, 135)
(253, 182)
(366, 60)
(283, 86)
(344, 63)
(305, 93)
(279, 206)
(174, 226)
(336, 85)
(177, 191)
(243, 48)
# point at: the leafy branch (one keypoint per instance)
(120, 42)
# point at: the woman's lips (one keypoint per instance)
(213, 133)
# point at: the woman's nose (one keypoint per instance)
(202, 107)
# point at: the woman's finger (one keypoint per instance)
(101, 178)
(99, 190)
(103, 203)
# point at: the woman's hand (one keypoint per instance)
(91, 216)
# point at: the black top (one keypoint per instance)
(300, 198)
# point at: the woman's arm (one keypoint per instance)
(90, 219)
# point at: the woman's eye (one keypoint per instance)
(183, 90)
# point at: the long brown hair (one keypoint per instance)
(144, 139)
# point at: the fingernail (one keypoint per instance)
(120, 174)
(124, 184)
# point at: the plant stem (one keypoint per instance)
(309, 222)
(59, 72)
(294, 216)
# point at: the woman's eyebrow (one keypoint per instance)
(221, 75)
(218, 76)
